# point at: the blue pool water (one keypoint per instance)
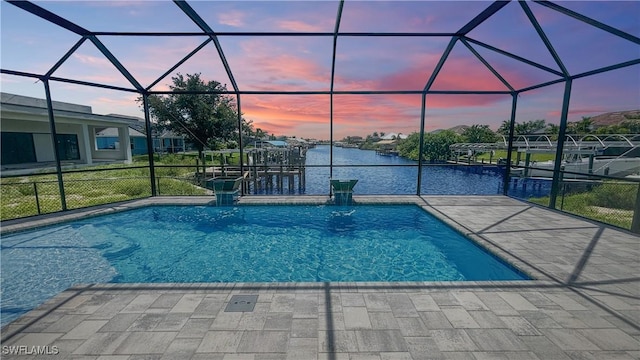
(240, 244)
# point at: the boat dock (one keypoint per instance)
(269, 169)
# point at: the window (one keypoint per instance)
(17, 148)
(68, 146)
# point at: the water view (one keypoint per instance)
(395, 175)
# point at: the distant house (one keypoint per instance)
(26, 136)
(169, 142)
(164, 141)
(393, 136)
(108, 139)
(275, 143)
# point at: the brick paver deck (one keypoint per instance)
(584, 303)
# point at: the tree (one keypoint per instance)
(409, 147)
(260, 134)
(552, 129)
(435, 146)
(632, 125)
(529, 127)
(524, 128)
(479, 134)
(583, 126)
(206, 119)
(504, 128)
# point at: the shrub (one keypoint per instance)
(614, 195)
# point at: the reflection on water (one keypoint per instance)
(398, 179)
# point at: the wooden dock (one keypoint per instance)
(271, 170)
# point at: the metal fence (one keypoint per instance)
(611, 200)
(30, 195)
(180, 180)
(26, 197)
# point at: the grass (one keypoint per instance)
(174, 174)
(503, 154)
(610, 203)
(108, 184)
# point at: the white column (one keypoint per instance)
(87, 140)
(125, 143)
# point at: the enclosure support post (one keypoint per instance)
(240, 145)
(333, 76)
(555, 184)
(635, 223)
(54, 140)
(512, 122)
(420, 145)
(147, 125)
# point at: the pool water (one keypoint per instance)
(240, 244)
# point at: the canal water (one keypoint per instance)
(395, 175)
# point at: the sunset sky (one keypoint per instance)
(295, 63)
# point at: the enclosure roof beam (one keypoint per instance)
(607, 68)
(484, 15)
(493, 71)
(275, 33)
(182, 61)
(544, 38)
(441, 62)
(87, 83)
(49, 16)
(590, 21)
(513, 56)
(195, 17)
(65, 57)
(341, 92)
(123, 70)
(335, 43)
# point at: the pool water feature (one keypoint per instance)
(295, 243)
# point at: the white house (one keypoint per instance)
(26, 135)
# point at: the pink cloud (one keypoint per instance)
(233, 18)
(296, 25)
(280, 65)
(92, 60)
(466, 74)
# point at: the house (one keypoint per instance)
(26, 135)
(108, 139)
(393, 136)
(163, 140)
(167, 141)
(271, 143)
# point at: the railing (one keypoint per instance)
(607, 199)
(611, 200)
(37, 194)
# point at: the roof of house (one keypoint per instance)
(278, 143)
(113, 132)
(391, 136)
(37, 109)
(386, 142)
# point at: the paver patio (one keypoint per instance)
(584, 303)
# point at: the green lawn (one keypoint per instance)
(610, 203)
(112, 183)
(503, 154)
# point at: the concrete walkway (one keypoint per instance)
(584, 303)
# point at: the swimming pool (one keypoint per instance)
(292, 243)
